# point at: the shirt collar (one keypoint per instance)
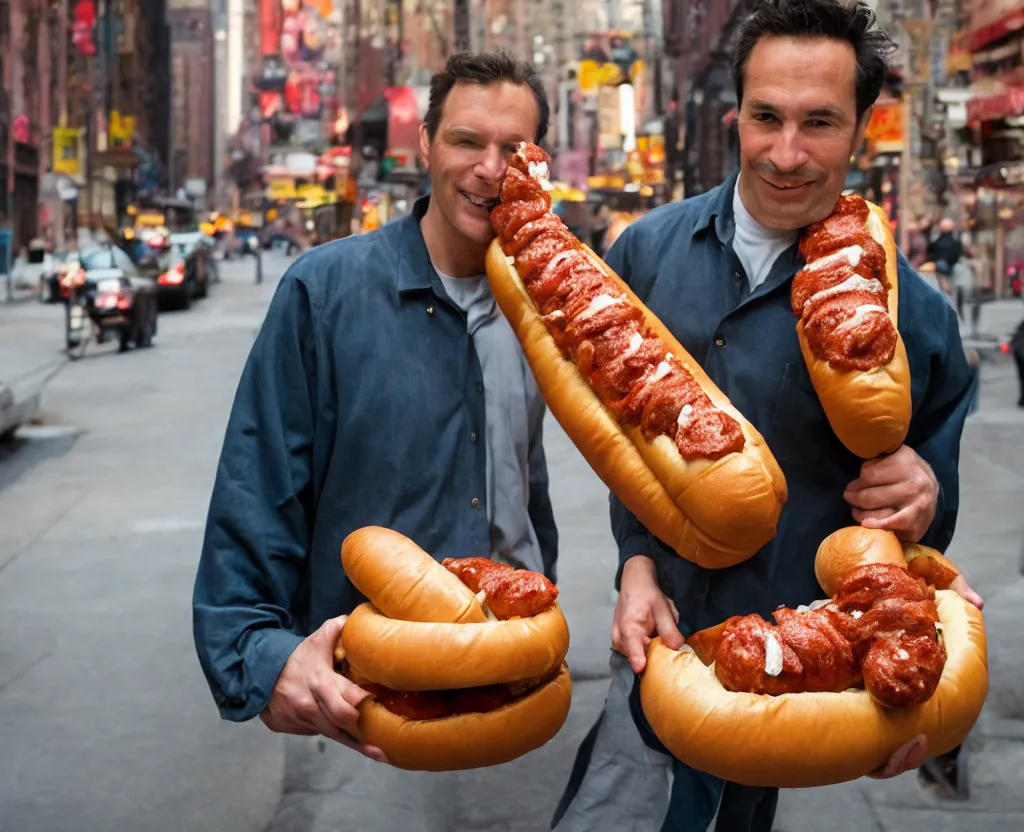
(718, 209)
(415, 272)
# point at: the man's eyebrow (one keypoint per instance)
(461, 131)
(826, 112)
(759, 104)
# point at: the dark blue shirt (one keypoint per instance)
(362, 403)
(679, 260)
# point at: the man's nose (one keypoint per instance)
(492, 165)
(788, 154)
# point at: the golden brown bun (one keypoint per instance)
(868, 411)
(815, 739)
(410, 655)
(403, 581)
(843, 551)
(810, 739)
(927, 563)
(469, 740)
(715, 514)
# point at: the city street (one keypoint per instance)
(106, 722)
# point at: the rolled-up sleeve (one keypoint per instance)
(257, 540)
(938, 425)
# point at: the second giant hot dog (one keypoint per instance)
(846, 298)
(641, 410)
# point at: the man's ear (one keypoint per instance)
(425, 147)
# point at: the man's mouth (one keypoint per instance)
(786, 186)
(480, 201)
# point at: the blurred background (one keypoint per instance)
(162, 162)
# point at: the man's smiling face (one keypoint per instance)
(480, 127)
(798, 127)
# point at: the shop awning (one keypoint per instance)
(998, 105)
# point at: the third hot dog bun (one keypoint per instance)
(804, 739)
(713, 507)
(869, 410)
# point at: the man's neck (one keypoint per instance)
(449, 251)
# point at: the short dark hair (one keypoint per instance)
(485, 68)
(843, 20)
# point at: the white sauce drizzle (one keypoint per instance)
(859, 314)
(851, 284)
(772, 655)
(851, 254)
(634, 344)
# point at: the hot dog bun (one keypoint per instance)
(714, 513)
(438, 636)
(798, 740)
(869, 410)
(468, 740)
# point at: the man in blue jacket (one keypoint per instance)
(384, 388)
(717, 270)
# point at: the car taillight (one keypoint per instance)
(173, 276)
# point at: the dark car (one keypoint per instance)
(187, 270)
(117, 299)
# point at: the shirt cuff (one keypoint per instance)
(636, 543)
(265, 656)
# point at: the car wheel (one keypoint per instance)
(185, 302)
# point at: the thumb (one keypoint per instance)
(330, 635)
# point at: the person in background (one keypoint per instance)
(917, 248)
(947, 245)
(964, 283)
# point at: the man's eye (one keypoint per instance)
(817, 123)
(764, 118)
(466, 143)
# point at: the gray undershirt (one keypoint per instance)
(513, 410)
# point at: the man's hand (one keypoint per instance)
(642, 608)
(898, 493)
(311, 698)
(907, 757)
(963, 589)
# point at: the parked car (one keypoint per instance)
(188, 269)
(111, 292)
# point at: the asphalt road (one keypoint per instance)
(106, 723)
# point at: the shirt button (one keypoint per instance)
(472, 437)
(430, 309)
(737, 275)
(480, 387)
(476, 502)
(720, 341)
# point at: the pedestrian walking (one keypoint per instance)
(385, 388)
(716, 269)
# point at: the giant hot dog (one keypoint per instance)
(464, 659)
(643, 413)
(847, 298)
(832, 690)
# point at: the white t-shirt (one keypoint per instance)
(757, 247)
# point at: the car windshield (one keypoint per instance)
(98, 258)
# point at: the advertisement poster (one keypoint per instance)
(300, 41)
